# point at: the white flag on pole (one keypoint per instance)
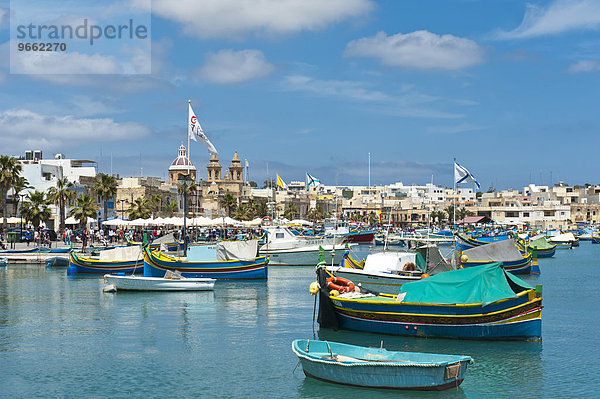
(195, 132)
(462, 175)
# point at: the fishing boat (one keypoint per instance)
(229, 263)
(542, 247)
(596, 239)
(385, 272)
(284, 248)
(171, 282)
(466, 241)
(57, 261)
(379, 368)
(564, 241)
(481, 302)
(341, 228)
(390, 240)
(3, 262)
(167, 241)
(122, 259)
(505, 251)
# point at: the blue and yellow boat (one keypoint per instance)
(481, 302)
(157, 263)
(507, 252)
(542, 247)
(466, 241)
(118, 260)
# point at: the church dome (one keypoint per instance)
(182, 162)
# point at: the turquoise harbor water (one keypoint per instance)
(62, 337)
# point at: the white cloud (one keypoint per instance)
(409, 104)
(36, 63)
(336, 88)
(584, 66)
(235, 18)
(3, 15)
(560, 16)
(21, 129)
(229, 67)
(455, 129)
(420, 49)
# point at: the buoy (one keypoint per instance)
(313, 288)
(424, 275)
(334, 293)
(464, 258)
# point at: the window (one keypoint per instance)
(525, 214)
(278, 235)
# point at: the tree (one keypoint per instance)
(106, 187)
(450, 212)
(10, 169)
(242, 212)
(290, 211)
(269, 183)
(85, 208)
(19, 185)
(171, 208)
(228, 202)
(261, 209)
(36, 208)
(252, 183)
(140, 208)
(61, 195)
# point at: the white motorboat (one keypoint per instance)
(285, 248)
(171, 282)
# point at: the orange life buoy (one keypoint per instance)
(266, 221)
(340, 284)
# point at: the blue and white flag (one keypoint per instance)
(462, 175)
(312, 180)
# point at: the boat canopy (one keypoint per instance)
(480, 284)
(566, 237)
(237, 250)
(540, 242)
(500, 251)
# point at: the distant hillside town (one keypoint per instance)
(228, 192)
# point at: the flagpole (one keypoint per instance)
(189, 154)
(454, 205)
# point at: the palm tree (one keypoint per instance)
(140, 208)
(61, 195)
(10, 169)
(19, 185)
(36, 208)
(106, 187)
(85, 208)
(260, 209)
(171, 208)
(290, 211)
(228, 202)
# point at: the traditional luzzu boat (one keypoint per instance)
(542, 247)
(481, 302)
(167, 241)
(564, 241)
(3, 262)
(379, 368)
(505, 252)
(466, 241)
(111, 261)
(596, 239)
(228, 263)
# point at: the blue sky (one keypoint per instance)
(509, 88)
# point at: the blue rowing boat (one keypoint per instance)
(379, 368)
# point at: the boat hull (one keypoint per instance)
(515, 318)
(138, 283)
(430, 373)
(515, 267)
(80, 264)
(544, 253)
(156, 265)
(303, 256)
